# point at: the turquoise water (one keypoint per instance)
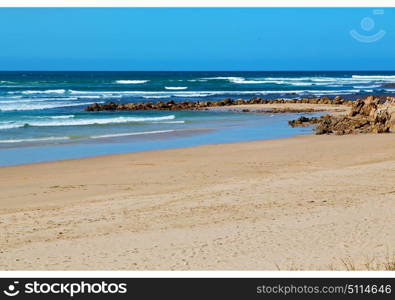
(42, 114)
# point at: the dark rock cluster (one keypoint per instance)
(370, 115)
(304, 121)
(197, 105)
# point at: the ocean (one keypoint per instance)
(42, 115)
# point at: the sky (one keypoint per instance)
(227, 39)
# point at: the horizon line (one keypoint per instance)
(198, 70)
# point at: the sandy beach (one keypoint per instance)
(291, 107)
(302, 203)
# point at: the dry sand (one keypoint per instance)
(299, 203)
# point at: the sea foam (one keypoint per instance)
(22, 107)
(176, 87)
(28, 92)
(81, 122)
(131, 81)
(52, 138)
(129, 134)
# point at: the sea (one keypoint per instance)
(42, 115)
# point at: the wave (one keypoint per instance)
(170, 122)
(37, 100)
(62, 117)
(56, 117)
(239, 80)
(323, 80)
(212, 93)
(366, 86)
(300, 83)
(129, 134)
(28, 92)
(23, 107)
(89, 97)
(374, 77)
(167, 94)
(296, 81)
(131, 81)
(52, 138)
(82, 122)
(9, 125)
(176, 87)
(244, 81)
(196, 94)
(156, 97)
(222, 78)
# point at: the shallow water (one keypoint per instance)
(42, 114)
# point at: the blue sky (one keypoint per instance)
(194, 39)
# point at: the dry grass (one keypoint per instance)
(370, 264)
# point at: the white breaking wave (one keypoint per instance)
(9, 125)
(56, 117)
(59, 91)
(53, 138)
(89, 97)
(37, 100)
(223, 78)
(131, 81)
(243, 81)
(195, 94)
(300, 83)
(176, 87)
(239, 80)
(129, 133)
(62, 117)
(21, 107)
(366, 86)
(296, 81)
(98, 121)
(392, 77)
(170, 122)
(167, 94)
(158, 97)
(212, 93)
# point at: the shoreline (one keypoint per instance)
(274, 108)
(304, 202)
(103, 156)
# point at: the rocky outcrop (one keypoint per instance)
(370, 115)
(199, 105)
(304, 121)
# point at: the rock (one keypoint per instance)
(303, 122)
(338, 100)
(369, 115)
(227, 101)
(194, 105)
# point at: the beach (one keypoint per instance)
(300, 203)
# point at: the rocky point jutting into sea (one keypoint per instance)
(369, 115)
